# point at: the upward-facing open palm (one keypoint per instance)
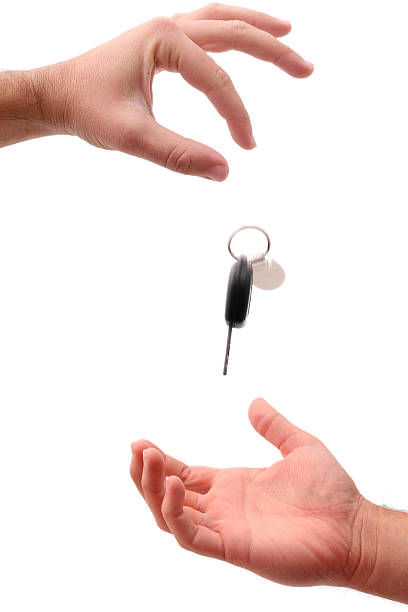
(291, 522)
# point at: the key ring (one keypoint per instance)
(245, 227)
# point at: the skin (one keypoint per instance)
(300, 521)
(105, 96)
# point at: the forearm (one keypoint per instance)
(382, 538)
(22, 112)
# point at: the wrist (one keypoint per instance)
(50, 85)
(379, 553)
(362, 557)
(21, 108)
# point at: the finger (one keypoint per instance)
(226, 35)
(198, 518)
(189, 535)
(276, 429)
(172, 465)
(198, 479)
(157, 144)
(180, 54)
(153, 483)
(136, 465)
(273, 25)
(194, 500)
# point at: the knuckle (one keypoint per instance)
(163, 25)
(185, 473)
(267, 424)
(267, 428)
(284, 51)
(239, 28)
(222, 78)
(153, 488)
(214, 6)
(179, 159)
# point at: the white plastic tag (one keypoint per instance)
(267, 273)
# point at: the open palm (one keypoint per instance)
(291, 522)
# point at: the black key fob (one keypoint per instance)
(238, 293)
(238, 299)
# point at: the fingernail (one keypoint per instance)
(253, 142)
(145, 453)
(286, 22)
(309, 65)
(217, 173)
(133, 448)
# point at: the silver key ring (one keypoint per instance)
(245, 227)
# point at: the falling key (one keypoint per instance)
(238, 299)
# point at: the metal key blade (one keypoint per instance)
(227, 351)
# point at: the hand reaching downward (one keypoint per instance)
(105, 96)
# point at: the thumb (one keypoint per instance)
(159, 145)
(276, 429)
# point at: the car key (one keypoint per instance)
(263, 273)
(238, 299)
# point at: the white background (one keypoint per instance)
(112, 283)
